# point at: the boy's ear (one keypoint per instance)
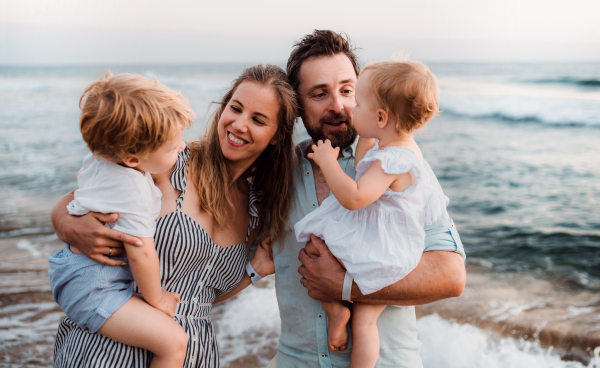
(131, 161)
(382, 118)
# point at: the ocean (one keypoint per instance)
(516, 149)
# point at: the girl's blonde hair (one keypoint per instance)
(406, 90)
(128, 114)
(273, 171)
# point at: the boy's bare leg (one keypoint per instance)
(138, 324)
(338, 314)
(365, 346)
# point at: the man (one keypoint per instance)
(323, 70)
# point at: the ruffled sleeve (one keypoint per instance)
(394, 160)
(435, 208)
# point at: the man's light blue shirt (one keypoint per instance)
(303, 341)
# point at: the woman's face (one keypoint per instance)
(249, 123)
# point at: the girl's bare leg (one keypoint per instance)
(338, 316)
(138, 324)
(365, 345)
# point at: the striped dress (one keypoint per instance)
(192, 265)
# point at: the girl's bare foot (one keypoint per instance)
(338, 316)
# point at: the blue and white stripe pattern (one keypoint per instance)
(192, 265)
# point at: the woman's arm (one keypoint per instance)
(89, 234)
(261, 262)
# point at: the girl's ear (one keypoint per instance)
(131, 161)
(382, 118)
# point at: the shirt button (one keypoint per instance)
(307, 173)
(314, 205)
(322, 355)
(320, 315)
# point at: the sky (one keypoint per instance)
(39, 32)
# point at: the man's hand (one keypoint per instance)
(323, 276)
(168, 303)
(324, 153)
(95, 240)
(89, 235)
(439, 275)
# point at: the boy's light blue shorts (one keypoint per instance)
(87, 291)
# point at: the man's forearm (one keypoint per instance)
(60, 214)
(439, 275)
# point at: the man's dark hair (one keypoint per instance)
(319, 43)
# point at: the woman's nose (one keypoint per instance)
(241, 123)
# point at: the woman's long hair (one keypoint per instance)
(273, 171)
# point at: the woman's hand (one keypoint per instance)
(168, 303)
(262, 261)
(323, 153)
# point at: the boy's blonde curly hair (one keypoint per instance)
(128, 114)
(406, 90)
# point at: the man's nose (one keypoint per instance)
(336, 103)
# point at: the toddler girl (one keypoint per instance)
(134, 127)
(374, 225)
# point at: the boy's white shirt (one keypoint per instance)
(107, 187)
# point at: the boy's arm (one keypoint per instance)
(439, 275)
(144, 265)
(89, 234)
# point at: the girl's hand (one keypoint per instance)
(324, 153)
(168, 303)
(262, 261)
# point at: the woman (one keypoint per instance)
(209, 214)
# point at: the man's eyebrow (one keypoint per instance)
(348, 81)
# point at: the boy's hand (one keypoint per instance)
(168, 304)
(323, 153)
(262, 261)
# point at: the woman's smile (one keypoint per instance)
(235, 140)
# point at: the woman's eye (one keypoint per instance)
(258, 121)
(235, 108)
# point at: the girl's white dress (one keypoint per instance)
(382, 242)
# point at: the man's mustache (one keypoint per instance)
(335, 118)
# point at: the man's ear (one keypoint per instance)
(382, 118)
(131, 161)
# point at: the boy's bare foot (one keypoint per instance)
(337, 321)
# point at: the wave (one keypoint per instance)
(512, 118)
(524, 109)
(584, 82)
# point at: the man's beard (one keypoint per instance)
(338, 138)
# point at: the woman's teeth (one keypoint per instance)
(235, 140)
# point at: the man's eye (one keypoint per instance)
(319, 95)
(347, 91)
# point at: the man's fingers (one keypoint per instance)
(302, 270)
(116, 252)
(303, 257)
(122, 237)
(107, 261)
(105, 217)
